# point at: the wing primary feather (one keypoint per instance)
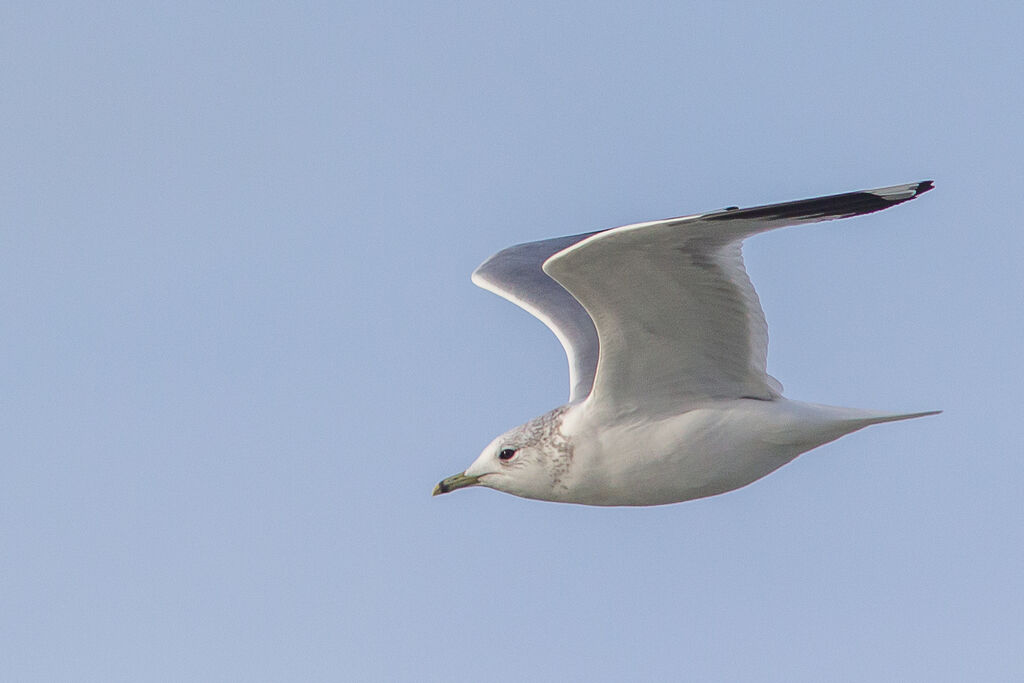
(833, 206)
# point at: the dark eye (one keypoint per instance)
(506, 453)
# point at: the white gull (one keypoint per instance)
(667, 344)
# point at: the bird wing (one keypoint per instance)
(677, 318)
(516, 274)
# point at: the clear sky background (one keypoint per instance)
(240, 344)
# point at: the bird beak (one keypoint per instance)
(456, 481)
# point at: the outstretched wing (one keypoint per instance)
(516, 274)
(676, 316)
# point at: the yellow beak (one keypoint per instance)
(456, 481)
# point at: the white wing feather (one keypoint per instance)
(515, 274)
(677, 318)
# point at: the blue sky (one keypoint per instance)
(240, 342)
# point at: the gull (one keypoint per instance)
(669, 396)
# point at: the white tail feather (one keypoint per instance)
(878, 418)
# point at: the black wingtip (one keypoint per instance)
(832, 206)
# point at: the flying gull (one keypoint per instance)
(669, 396)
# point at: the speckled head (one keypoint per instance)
(533, 460)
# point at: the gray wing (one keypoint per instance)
(677, 318)
(516, 274)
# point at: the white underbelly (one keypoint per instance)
(700, 453)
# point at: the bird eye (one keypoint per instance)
(506, 453)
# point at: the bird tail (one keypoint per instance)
(868, 418)
(820, 424)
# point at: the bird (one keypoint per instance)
(670, 399)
